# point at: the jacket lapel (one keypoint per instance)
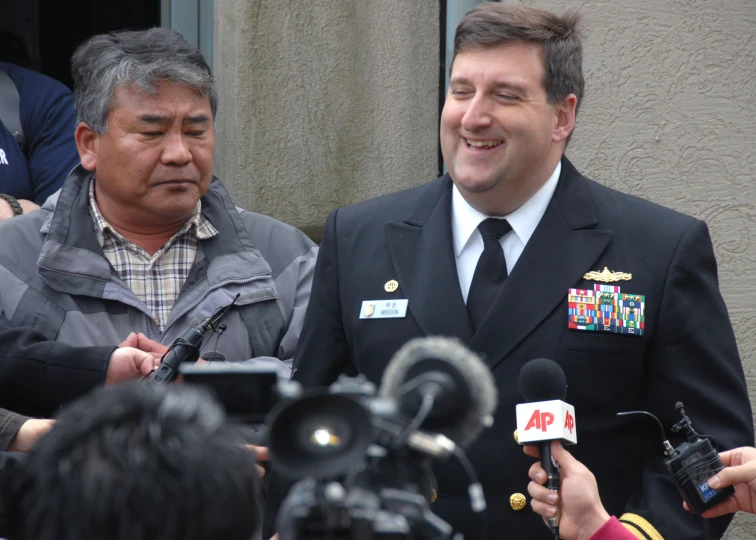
(422, 252)
(563, 247)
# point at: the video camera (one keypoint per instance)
(363, 465)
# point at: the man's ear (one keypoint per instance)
(86, 144)
(564, 119)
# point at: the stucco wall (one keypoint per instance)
(327, 102)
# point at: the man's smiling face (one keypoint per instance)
(497, 128)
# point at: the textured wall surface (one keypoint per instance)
(325, 102)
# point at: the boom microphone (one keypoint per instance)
(545, 417)
(457, 381)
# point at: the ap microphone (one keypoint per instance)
(546, 417)
(461, 386)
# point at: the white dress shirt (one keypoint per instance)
(468, 243)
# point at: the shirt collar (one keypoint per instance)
(198, 223)
(524, 220)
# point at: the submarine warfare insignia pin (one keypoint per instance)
(607, 276)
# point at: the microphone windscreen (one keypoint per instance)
(542, 379)
(461, 416)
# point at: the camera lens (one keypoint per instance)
(328, 432)
(323, 436)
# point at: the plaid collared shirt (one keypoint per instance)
(155, 279)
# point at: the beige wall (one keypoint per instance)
(327, 102)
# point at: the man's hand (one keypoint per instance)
(29, 434)
(143, 343)
(130, 363)
(28, 206)
(261, 454)
(582, 513)
(6, 212)
(739, 472)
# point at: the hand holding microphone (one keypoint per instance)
(583, 514)
(545, 418)
(136, 356)
(184, 349)
(578, 501)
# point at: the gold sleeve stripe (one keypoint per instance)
(635, 531)
(637, 524)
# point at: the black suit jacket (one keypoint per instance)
(688, 352)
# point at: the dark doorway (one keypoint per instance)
(50, 30)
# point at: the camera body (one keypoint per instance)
(362, 474)
(692, 464)
(313, 511)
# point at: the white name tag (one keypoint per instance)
(384, 309)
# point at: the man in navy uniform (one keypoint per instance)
(520, 256)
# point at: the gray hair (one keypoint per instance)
(144, 57)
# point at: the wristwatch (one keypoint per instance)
(17, 210)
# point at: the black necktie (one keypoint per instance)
(491, 271)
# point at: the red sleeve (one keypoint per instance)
(613, 530)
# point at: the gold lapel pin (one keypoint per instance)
(607, 276)
(369, 310)
(391, 286)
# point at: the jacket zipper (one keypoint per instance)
(208, 291)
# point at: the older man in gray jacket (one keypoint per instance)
(142, 237)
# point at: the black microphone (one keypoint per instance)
(185, 348)
(460, 385)
(542, 380)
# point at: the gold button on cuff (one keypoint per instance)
(434, 495)
(516, 437)
(517, 501)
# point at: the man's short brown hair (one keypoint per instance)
(491, 24)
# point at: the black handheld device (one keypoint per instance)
(692, 464)
(246, 391)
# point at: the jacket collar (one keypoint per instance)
(72, 261)
(565, 243)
